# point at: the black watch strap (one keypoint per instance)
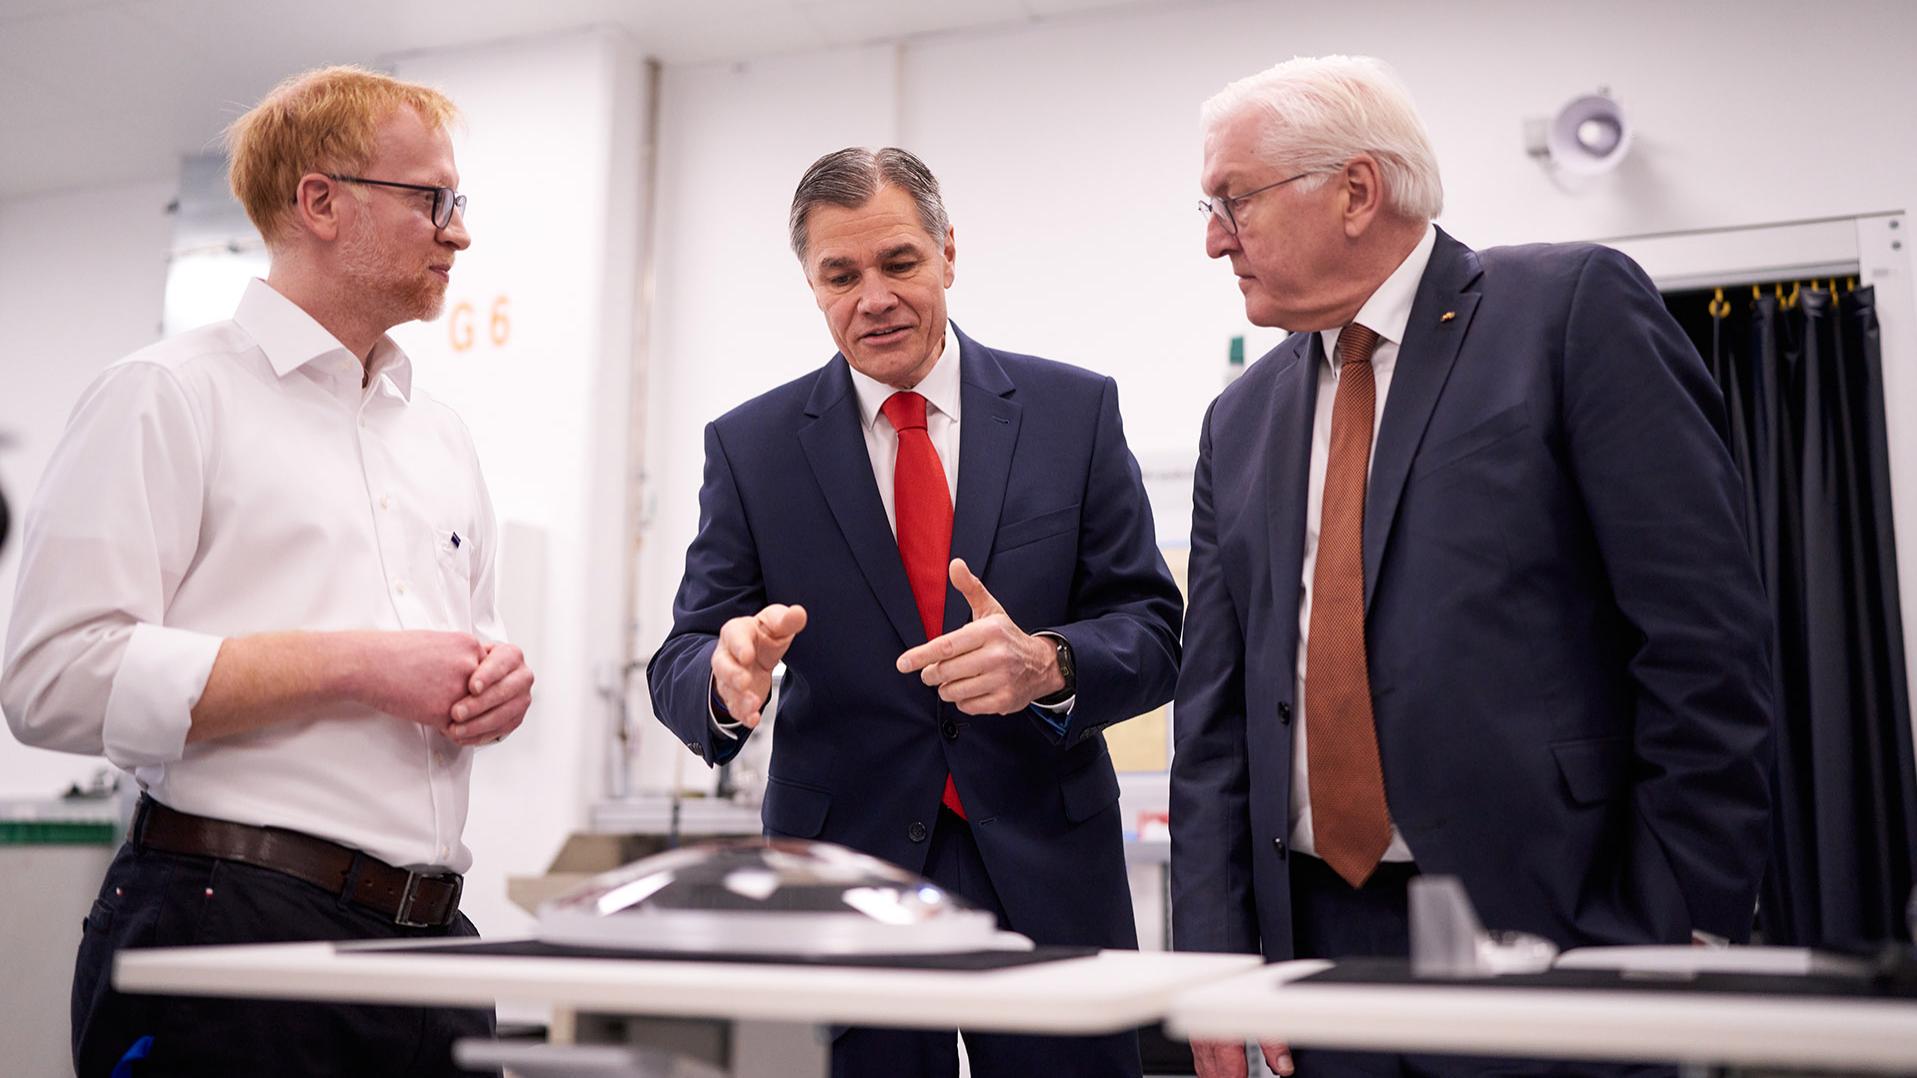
(1067, 668)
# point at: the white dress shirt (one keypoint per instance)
(238, 479)
(940, 388)
(1387, 313)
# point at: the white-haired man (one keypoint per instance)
(1469, 592)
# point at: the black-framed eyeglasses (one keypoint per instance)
(445, 199)
(1221, 207)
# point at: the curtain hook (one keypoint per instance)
(1720, 308)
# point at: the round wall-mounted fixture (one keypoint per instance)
(1587, 137)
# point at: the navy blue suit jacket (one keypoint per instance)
(1568, 643)
(1051, 514)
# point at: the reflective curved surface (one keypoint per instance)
(772, 896)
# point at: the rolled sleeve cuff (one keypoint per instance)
(150, 707)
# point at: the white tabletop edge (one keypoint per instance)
(1109, 991)
(1559, 1023)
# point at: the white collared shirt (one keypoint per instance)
(940, 388)
(1387, 312)
(238, 479)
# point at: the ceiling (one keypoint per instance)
(96, 92)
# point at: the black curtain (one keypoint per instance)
(1801, 367)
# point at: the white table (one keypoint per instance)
(767, 1015)
(1736, 1030)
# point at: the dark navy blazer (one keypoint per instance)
(1051, 514)
(1568, 643)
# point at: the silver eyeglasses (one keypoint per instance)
(1221, 207)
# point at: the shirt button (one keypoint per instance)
(916, 832)
(400, 587)
(385, 502)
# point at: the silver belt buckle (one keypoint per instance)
(410, 894)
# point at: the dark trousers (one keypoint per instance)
(953, 862)
(153, 899)
(1331, 919)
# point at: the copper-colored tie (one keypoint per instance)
(1350, 822)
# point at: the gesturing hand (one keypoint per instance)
(989, 666)
(748, 650)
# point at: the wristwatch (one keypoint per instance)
(1067, 669)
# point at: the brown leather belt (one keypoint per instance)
(413, 899)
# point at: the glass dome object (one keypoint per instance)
(774, 896)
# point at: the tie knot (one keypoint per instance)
(1356, 343)
(905, 409)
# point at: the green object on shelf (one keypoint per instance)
(58, 833)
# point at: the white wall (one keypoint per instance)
(82, 274)
(549, 157)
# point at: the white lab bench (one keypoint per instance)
(752, 1019)
(1847, 1033)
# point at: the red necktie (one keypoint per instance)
(922, 505)
(1350, 822)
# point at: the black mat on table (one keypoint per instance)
(1397, 971)
(964, 960)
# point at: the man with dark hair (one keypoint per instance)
(258, 575)
(950, 549)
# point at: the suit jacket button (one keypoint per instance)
(1279, 845)
(949, 729)
(916, 832)
(1284, 714)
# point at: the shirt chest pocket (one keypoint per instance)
(453, 557)
(453, 550)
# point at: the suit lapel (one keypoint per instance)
(834, 445)
(1287, 452)
(1440, 316)
(988, 432)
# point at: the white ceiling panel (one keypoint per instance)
(861, 22)
(102, 92)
